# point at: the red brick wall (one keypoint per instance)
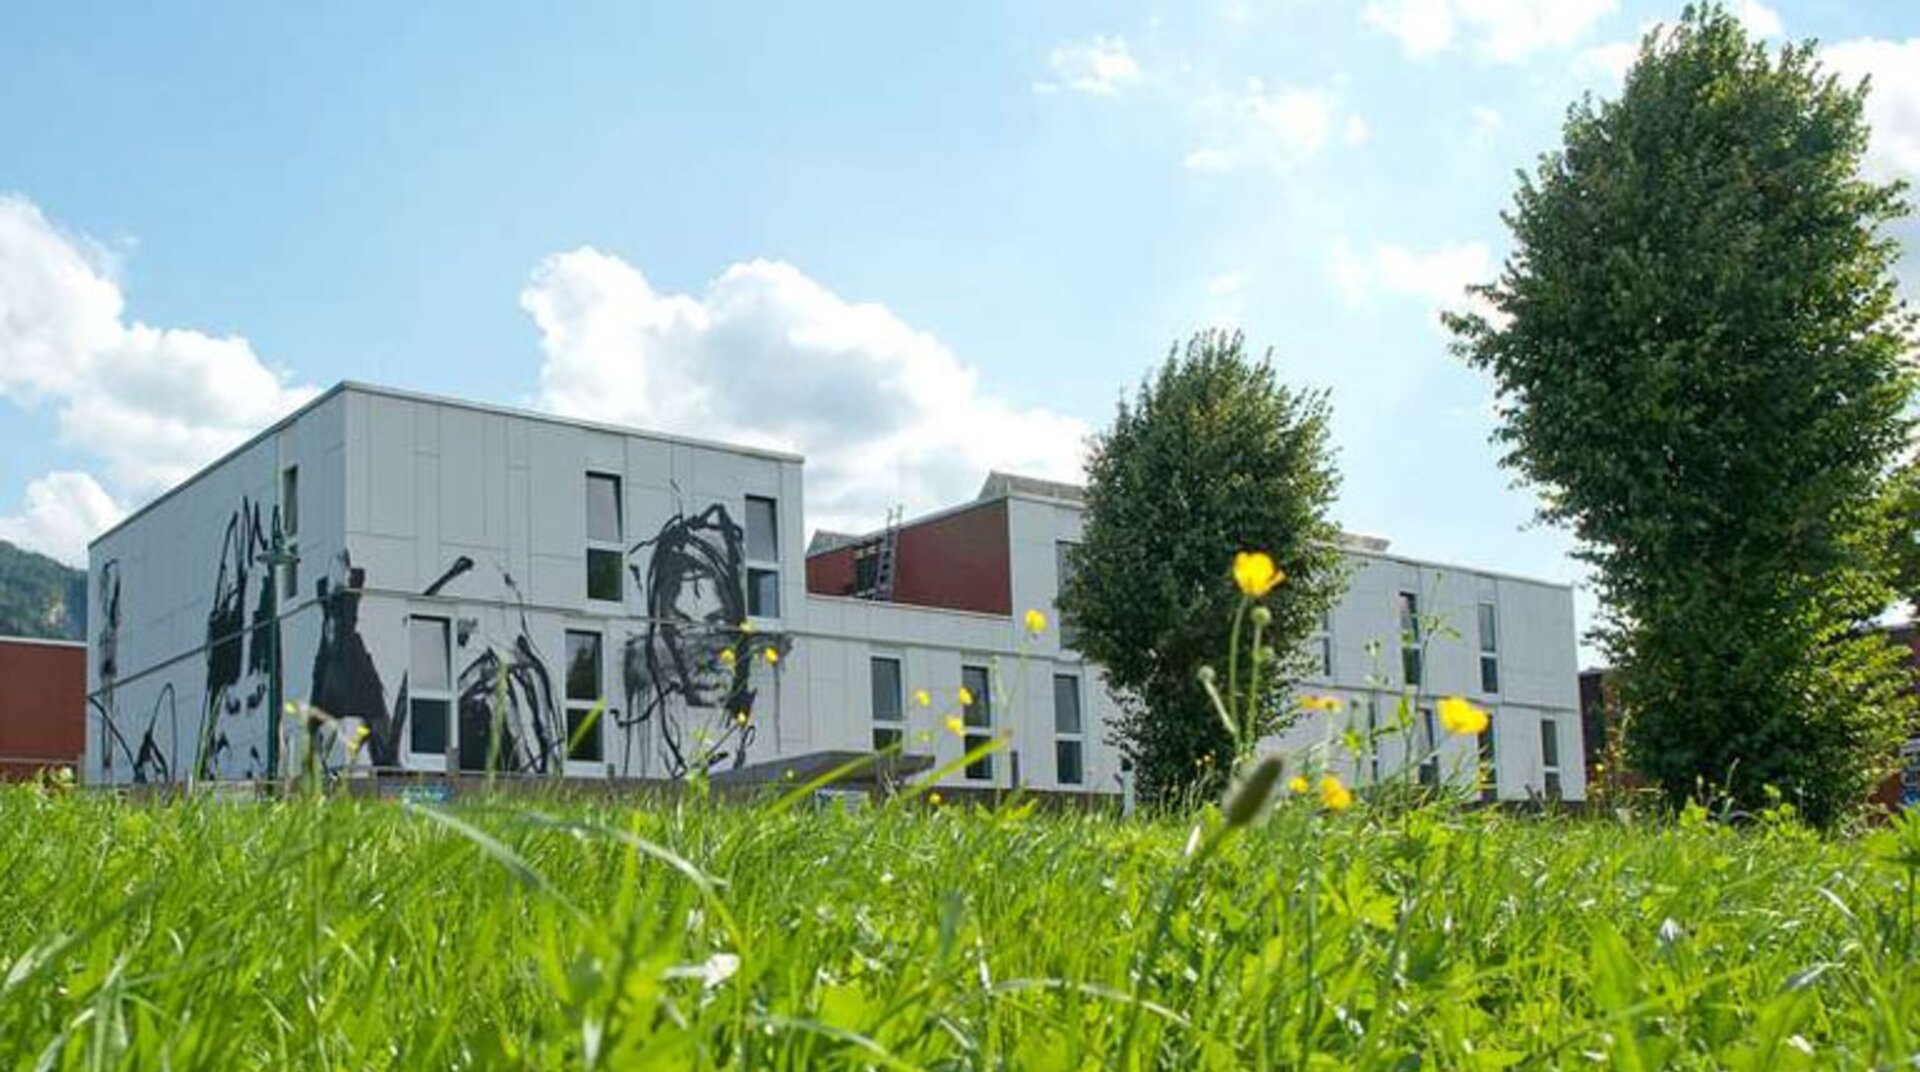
(43, 702)
(830, 573)
(961, 561)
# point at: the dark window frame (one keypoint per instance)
(590, 748)
(431, 697)
(606, 555)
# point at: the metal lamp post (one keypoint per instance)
(277, 556)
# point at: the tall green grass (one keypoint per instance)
(327, 934)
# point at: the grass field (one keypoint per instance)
(340, 934)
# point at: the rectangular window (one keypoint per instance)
(1323, 645)
(978, 719)
(763, 557)
(888, 703)
(1410, 639)
(584, 697)
(1550, 758)
(763, 593)
(1427, 742)
(763, 529)
(1489, 763)
(1069, 728)
(1069, 762)
(606, 539)
(1373, 740)
(1489, 651)
(1063, 552)
(429, 687)
(290, 528)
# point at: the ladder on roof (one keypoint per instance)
(883, 569)
(874, 561)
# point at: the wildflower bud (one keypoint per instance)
(1249, 793)
(1262, 617)
(1206, 676)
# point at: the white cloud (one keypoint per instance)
(153, 404)
(1893, 102)
(1438, 278)
(1102, 66)
(884, 412)
(1486, 123)
(1208, 160)
(1503, 30)
(1227, 284)
(1422, 26)
(1608, 62)
(64, 510)
(1278, 129)
(1759, 19)
(1226, 302)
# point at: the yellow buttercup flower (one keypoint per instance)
(773, 657)
(921, 698)
(1461, 717)
(740, 717)
(933, 799)
(1333, 795)
(1036, 622)
(727, 657)
(955, 726)
(1255, 573)
(1297, 785)
(966, 696)
(1329, 704)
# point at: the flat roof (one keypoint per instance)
(358, 387)
(1001, 487)
(44, 642)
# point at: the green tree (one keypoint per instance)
(1214, 456)
(1903, 529)
(1702, 363)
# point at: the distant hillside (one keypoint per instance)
(40, 597)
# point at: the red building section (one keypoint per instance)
(960, 560)
(43, 704)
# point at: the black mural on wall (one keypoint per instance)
(346, 681)
(241, 636)
(696, 651)
(531, 727)
(695, 654)
(146, 761)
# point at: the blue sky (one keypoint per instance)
(913, 243)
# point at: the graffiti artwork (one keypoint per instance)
(241, 635)
(239, 651)
(688, 674)
(346, 682)
(505, 685)
(696, 653)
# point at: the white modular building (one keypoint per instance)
(481, 588)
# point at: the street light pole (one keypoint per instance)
(277, 556)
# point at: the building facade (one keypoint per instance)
(484, 588)
(1405, 634)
